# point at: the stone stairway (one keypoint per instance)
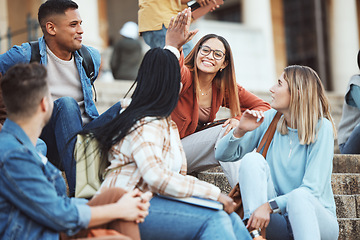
(346, 171)
(109, 93)
(346, 187)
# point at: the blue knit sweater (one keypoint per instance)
(292, 165)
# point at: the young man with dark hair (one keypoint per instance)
(70, 87)
(33, 201)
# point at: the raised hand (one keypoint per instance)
(250, 120)
(230, 123)
(178, 32)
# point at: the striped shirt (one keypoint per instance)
(151, 158)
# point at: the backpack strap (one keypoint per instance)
(269, 134)
(87, 63)
(35, 51)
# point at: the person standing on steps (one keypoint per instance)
(127, 53)
(154, 17)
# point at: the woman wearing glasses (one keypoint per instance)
(208, 79)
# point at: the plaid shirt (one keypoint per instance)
(151, 158)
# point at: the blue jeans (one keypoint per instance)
(60, 134)
(157, 39)
(305, 217)
(352, 145)
(174, 220)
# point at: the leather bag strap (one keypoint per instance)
(266, 140)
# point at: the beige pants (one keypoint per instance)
(199, 148)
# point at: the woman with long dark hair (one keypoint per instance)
(208, 78)
(143, 148)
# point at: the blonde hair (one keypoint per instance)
(308, 103)
(224, 80)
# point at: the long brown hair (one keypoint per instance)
(308, 103)
(224, 80)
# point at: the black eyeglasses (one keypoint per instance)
(217, 54)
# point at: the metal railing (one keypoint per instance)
(31, 29)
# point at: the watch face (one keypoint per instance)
(273, 205)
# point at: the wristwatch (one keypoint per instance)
(274, 207)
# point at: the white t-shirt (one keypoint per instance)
(64, 80)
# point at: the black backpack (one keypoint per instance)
(87, 63)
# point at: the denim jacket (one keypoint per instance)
(22, 54)
(33, 201)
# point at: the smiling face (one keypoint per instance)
(67, 30)
(280, 95)
(208, 64)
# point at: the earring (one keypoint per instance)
(221, 69)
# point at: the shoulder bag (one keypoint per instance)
(88, 158)
(235, 193)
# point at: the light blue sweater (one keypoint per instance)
(292, 165)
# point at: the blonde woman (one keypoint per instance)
(208, 79)
(295, 178)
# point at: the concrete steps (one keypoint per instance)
(346, 187)
(109, 93)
